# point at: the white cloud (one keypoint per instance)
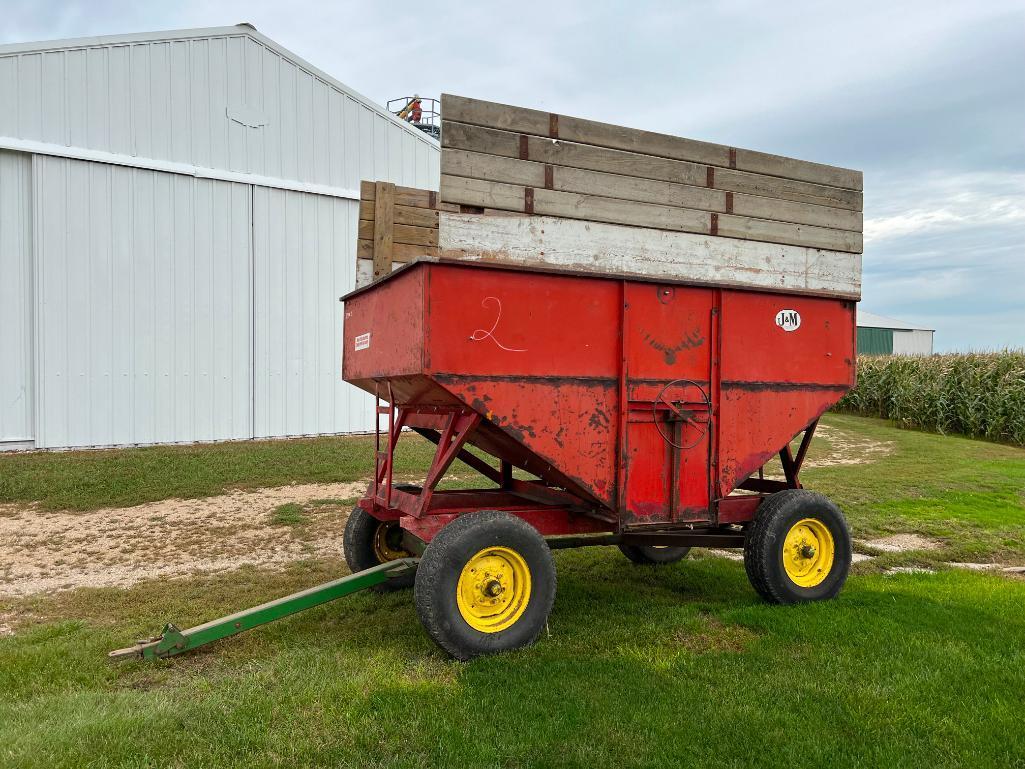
(949, 202)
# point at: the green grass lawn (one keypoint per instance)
(667, 666)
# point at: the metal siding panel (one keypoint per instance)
(304, 252)
(351, 139)
(236, 132)
(272, 106)
(30, 105)
(122, 280)
(200, 88)
(120, 94)
(216, 97)
(367, 142)
(99, 344)
(183, 257)
(159, 100)
(875, 341)
(291, 318)
(381, 148)
(9, 95)
(147, 264)
(74, 330)
(253, 99)
(97, 99)
(181, 138)
(53, 127)
(141, 112)
(288, 120)
(235, 80)
(76, 115)
(304, 125)
(166, 101)
(916, 342)
(322, 133)
(16, 295)
(396, 138)
(338, 141)
(163, 300)
(144, 296)
(207, 199)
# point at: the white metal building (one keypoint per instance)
(878, 335)
(178, 218)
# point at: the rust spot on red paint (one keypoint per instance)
(599, 420)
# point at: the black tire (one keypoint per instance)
(440, 575)
(647, 555)
(767, 536)
(364, 539)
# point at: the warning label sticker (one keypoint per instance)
(363, 341)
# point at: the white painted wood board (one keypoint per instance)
(594, 247)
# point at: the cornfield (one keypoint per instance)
(980, 395)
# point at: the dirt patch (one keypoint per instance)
(894, 570)
(733, 555)
(902, 543)
(846, 449)
(43, 551)
(716, 636)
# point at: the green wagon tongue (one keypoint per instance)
(174, 641)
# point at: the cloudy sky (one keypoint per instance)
(928, 98)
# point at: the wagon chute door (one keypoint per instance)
(668, 360)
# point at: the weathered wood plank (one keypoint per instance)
(405, 196)
(563, 153)
(460, 136)
(802, 170)
(602, 248)
(566, 128)
(365, 271)
(401, 233)
(382, 228)
(401, 252)
(798, 213)
(787, 189)
(786, 232)
(417, 217)
(509, 197)
(492, 168)
(531, 173)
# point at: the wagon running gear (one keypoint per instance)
(486, 583)
(798, 548)
(369, 542)
(654, 554)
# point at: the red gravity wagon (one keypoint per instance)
(617, 330)
(642, 413)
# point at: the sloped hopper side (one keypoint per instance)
(570, 373)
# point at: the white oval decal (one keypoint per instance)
(788, 320)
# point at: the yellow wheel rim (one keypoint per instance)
(493, 589)
(388, 542)
(808, 552)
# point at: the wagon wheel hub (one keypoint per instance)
(493, 589)
(808, 552)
